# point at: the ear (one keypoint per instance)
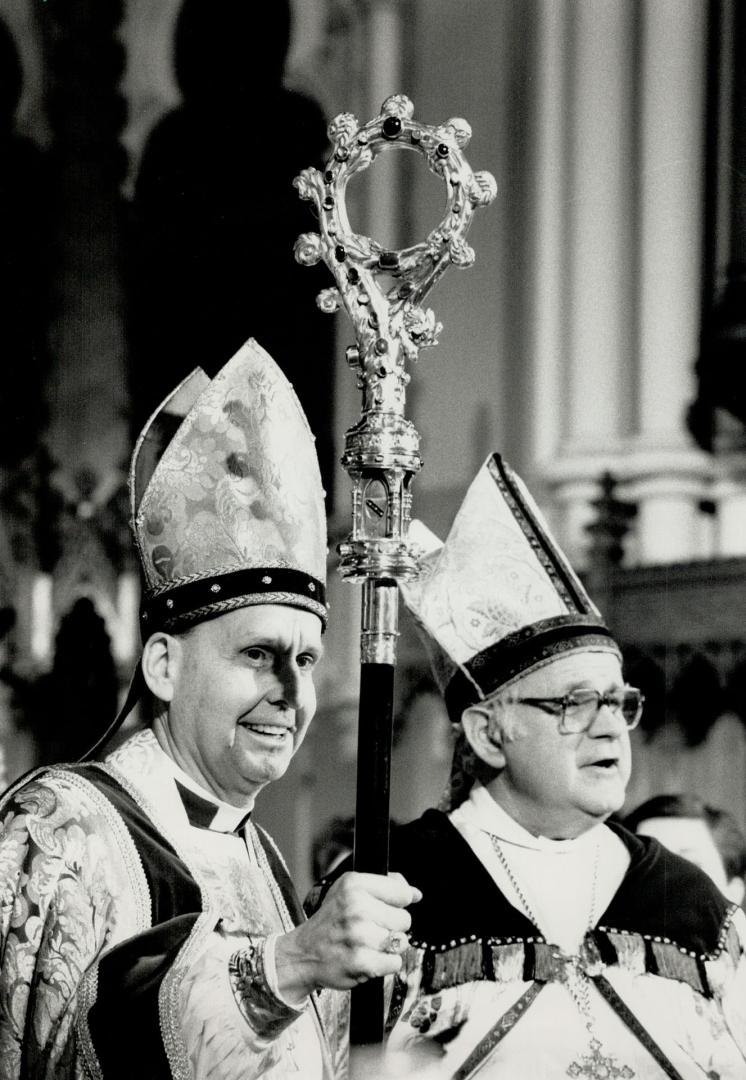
(483, 734)
(161, 661)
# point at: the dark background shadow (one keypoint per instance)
(215, 217)
(24, 224)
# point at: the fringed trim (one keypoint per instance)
(507, 960)
(731, 941)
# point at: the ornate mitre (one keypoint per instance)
(226, 496)
(499, 598)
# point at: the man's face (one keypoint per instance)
(559, 785)
(691, 838)
(243, 697)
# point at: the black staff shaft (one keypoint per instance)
(372, 822)
(376, 715)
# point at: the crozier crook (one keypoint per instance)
(382, 291)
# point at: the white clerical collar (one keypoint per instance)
(227, 817)
(481, 810)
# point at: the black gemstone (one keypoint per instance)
(342, 154)
(328, 203)
(339, 253)
(388, 260)
(352, 276)
(391, 127)
(442, 150)
(405, 290)
(328, 176)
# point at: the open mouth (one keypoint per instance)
(270, 731)
(607, 764)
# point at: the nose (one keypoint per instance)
(288, 690)
(608, 723)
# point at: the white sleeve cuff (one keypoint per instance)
(270, 974)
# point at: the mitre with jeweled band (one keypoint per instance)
(227, 507)
(499, 598)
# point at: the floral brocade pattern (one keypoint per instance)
(64, 900)
(239, 484)
(487, 582)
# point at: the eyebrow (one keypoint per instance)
(268, 640)
(584, 685)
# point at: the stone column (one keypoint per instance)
(668, 518)
(671, 112)
(585, 267)
(550, 118)
(729, 494)
(632, 276)
(599, 298)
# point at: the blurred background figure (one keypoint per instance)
(708, 837)
(216, 216)
(23, 286)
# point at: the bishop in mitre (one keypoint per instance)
(550, 942)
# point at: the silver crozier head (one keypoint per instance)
(382, 291)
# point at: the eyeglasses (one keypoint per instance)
(578, 709)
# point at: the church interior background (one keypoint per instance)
(147, 216)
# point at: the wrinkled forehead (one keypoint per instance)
(284, 625)
(598, 669)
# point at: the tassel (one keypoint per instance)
(674, 964)
(459, 965)
(546, 965)
(733, 944)
(630, 951)
(428, 971)
(412, 961)
(507, 961)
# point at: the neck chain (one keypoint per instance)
(593, 1065)
(522, 896)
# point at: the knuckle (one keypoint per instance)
(353, 910)
(348, 925)
(360, 962)
(341, 886)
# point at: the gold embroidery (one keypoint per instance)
(87, 996)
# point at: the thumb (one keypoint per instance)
(416, 894)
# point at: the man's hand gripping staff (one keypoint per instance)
(358, 933)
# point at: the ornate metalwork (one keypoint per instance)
(382, 291)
